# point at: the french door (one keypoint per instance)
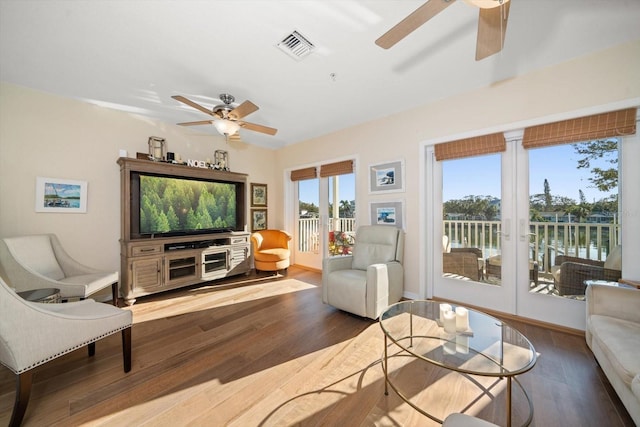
(493, 246)
(324, 215)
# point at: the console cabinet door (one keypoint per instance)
(146, 275)
(239, 259)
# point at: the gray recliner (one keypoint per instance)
(372, 278)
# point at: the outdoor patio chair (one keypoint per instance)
(466, 262)
(570, 273)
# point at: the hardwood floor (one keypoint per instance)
(270, 353)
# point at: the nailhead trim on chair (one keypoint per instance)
(41, 362)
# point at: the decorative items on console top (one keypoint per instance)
(157, 150)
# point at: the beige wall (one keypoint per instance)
(609, 77)
(46, 135)
(55, 137)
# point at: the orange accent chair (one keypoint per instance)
(271, 250)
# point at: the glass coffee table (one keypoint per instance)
(473, 343)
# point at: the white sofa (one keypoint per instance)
(613, 335)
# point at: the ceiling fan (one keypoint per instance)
(226, 117)
(492, 24)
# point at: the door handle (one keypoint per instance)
(507, 226)
(523, 231)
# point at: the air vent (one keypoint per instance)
(296, 45)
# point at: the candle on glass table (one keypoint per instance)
(450, 322)
(462, 319)
(443, 309)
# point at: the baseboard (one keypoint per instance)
(508, 316)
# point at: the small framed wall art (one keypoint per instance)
(258, 195)
(387, 213)
(61, 195)
(258, 219)
(386, 177)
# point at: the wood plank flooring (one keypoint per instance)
(269, 353)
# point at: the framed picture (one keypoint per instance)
(258, 194)
(387, 213)
(386, 177)
(258, 219)
(61, 195)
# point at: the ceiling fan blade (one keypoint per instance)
(258, 128)
(409, 24)
(192, 104)
(492, 27)
(200, 122)
(244, 109)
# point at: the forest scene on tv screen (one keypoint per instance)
(170, 205)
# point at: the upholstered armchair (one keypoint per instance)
(372, 278)
(570, 273)
(271, 250)
(32, 334)
(40, 261)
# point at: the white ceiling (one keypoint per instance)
(134, 55)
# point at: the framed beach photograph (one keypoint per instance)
(61, 195)
(258, 219)
(387, 213)
(386, 177)
(258, 195)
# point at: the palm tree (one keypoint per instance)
(345, 208)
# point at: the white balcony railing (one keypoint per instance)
(546, 239)
(308, 229)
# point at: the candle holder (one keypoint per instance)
(221, 160)
(156, 148)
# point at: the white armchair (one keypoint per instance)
(32, 334)
(371, 279)
(39, 261)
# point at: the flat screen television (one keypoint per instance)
(164, 206)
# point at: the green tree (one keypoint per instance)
(605, 149)
(548, 200)
(345, 209)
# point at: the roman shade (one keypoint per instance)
(468, 147)
(302, 174)
(605, 125)
(338, 168)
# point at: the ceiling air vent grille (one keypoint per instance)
(296, 45)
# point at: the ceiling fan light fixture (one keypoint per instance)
(226, 127)
(486, 4)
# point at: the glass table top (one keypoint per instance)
(479, 345)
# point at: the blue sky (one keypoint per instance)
(558, 164)
(481, 176)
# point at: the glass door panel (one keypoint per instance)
(307, 234)
(342, 209)
(471, 248)
(573, 208)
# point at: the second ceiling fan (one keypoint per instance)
(492, 24)
(226, 117)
